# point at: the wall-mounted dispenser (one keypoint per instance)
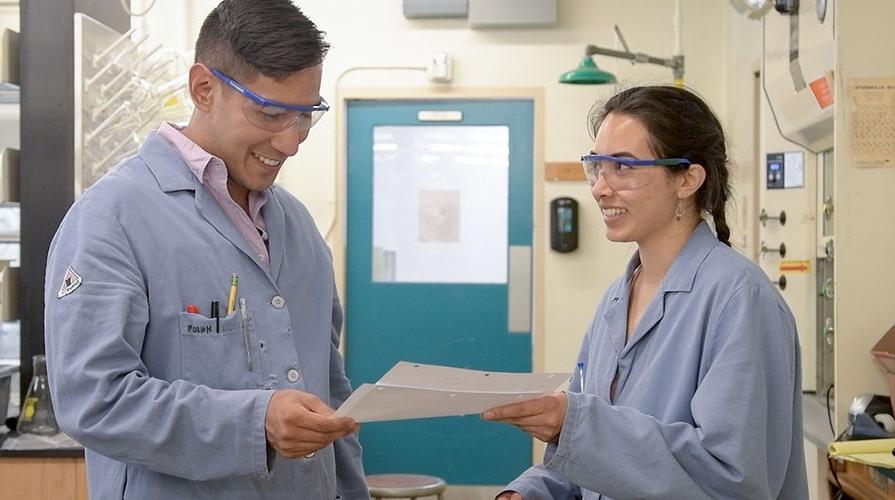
(563, 224)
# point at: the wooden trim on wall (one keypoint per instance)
(563, 171)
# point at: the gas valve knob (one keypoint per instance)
(781, 250)
(764, 217)
(781, 282)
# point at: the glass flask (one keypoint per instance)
(36, 416)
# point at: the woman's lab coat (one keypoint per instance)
(707, 402)
(163, 400)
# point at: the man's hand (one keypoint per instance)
(542, 417)
(298, 424)
(509, 495)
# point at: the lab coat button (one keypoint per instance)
(278, 302)
(292, 375)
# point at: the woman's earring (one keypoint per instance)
(679, 211)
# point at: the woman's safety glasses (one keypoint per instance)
(622, 173)
(274, 116)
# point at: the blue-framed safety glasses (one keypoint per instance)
(271, 115)
(624, 173)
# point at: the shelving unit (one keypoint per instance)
(46, 56)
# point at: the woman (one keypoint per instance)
(691, 375)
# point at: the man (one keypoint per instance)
(179, 383)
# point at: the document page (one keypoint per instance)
(414, 390)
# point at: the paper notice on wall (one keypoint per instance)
(871, 121)
(793, 169)
(439, 216)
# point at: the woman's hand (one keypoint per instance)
(542, 417)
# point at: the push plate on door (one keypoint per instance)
(519, 290)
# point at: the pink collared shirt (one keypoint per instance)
(212, 173)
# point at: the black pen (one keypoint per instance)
(216, 314)
(581, 378)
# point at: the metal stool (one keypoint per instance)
(405, 486)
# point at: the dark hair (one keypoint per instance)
(680, 125)
(243, 38)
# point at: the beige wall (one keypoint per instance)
(864, 213)
(742, 95)
(9, 17)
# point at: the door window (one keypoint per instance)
(440, 204)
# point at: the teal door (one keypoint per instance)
(439, 269)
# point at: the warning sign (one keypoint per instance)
(795, 266)
(822, 92)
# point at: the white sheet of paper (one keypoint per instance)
(413, 390)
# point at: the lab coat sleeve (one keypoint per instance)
(540, 483)
(103, 394)
(349, 467)
(742, 409)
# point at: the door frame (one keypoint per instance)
(337, 235)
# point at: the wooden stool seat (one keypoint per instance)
(405, 486)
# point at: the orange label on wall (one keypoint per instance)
(823, 94)
(795, 266)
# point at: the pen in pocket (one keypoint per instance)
(216, 314)
(581, 378)
(245, 330)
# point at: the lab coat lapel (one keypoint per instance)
(616, 321)
(616, 314)
(653, 314)
(275, 220)
(174, 175)
(214, 214)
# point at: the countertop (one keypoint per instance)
(40, 453)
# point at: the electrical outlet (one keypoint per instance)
(439, 67)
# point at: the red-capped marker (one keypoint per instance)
(192, 308)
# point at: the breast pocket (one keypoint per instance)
(214, 352)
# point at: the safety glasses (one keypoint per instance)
(622, 173)
(271, 115)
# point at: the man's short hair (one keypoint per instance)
(243, 38)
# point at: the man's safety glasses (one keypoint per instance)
(271, 115)
(622, 173)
